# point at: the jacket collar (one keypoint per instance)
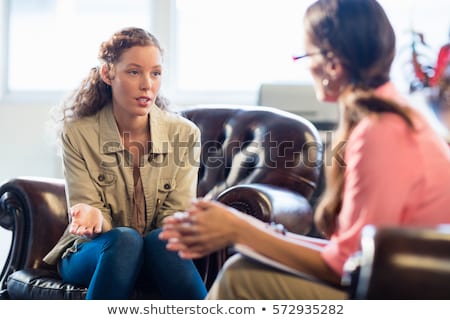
(110, 141)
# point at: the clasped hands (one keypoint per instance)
(205, 227)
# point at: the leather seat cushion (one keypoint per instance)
(41, 284)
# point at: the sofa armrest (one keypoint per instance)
(401, 263)
(35, 211)
(271, 204)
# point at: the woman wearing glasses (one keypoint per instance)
(395, 169)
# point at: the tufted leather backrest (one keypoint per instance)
(254, 144)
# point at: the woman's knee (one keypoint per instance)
(154, 235)
(151, 239)
(155, 250)
(125, 238)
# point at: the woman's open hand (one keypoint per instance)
(85, 220)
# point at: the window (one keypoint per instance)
(216, 50)
(53, 44)
(236, 45)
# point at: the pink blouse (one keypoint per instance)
(394, 176)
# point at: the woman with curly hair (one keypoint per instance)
(124, 177)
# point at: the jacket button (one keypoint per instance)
(167, 186)
(101, 177)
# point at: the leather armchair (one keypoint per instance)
(260, 160)
(401, 263)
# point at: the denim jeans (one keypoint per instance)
(112, 264)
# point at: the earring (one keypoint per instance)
(325, 82)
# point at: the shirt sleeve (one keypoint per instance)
(79, 185)
(379, 156)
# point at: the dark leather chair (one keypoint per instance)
(259, 160)
(401, 263)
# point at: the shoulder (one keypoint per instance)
(380, 127)
(176, 123)
(82, 125)
(101, 123)
(381, 138)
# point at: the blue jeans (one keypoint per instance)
(112, 264)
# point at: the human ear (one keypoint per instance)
(105, 74)
(334, 68)
(334, 79)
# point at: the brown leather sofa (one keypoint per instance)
(260, 160)
(401, 263)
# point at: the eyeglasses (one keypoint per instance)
(295, 58)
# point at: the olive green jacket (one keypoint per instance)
(99, 171)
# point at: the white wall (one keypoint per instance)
(27, 146)
(27, 149)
